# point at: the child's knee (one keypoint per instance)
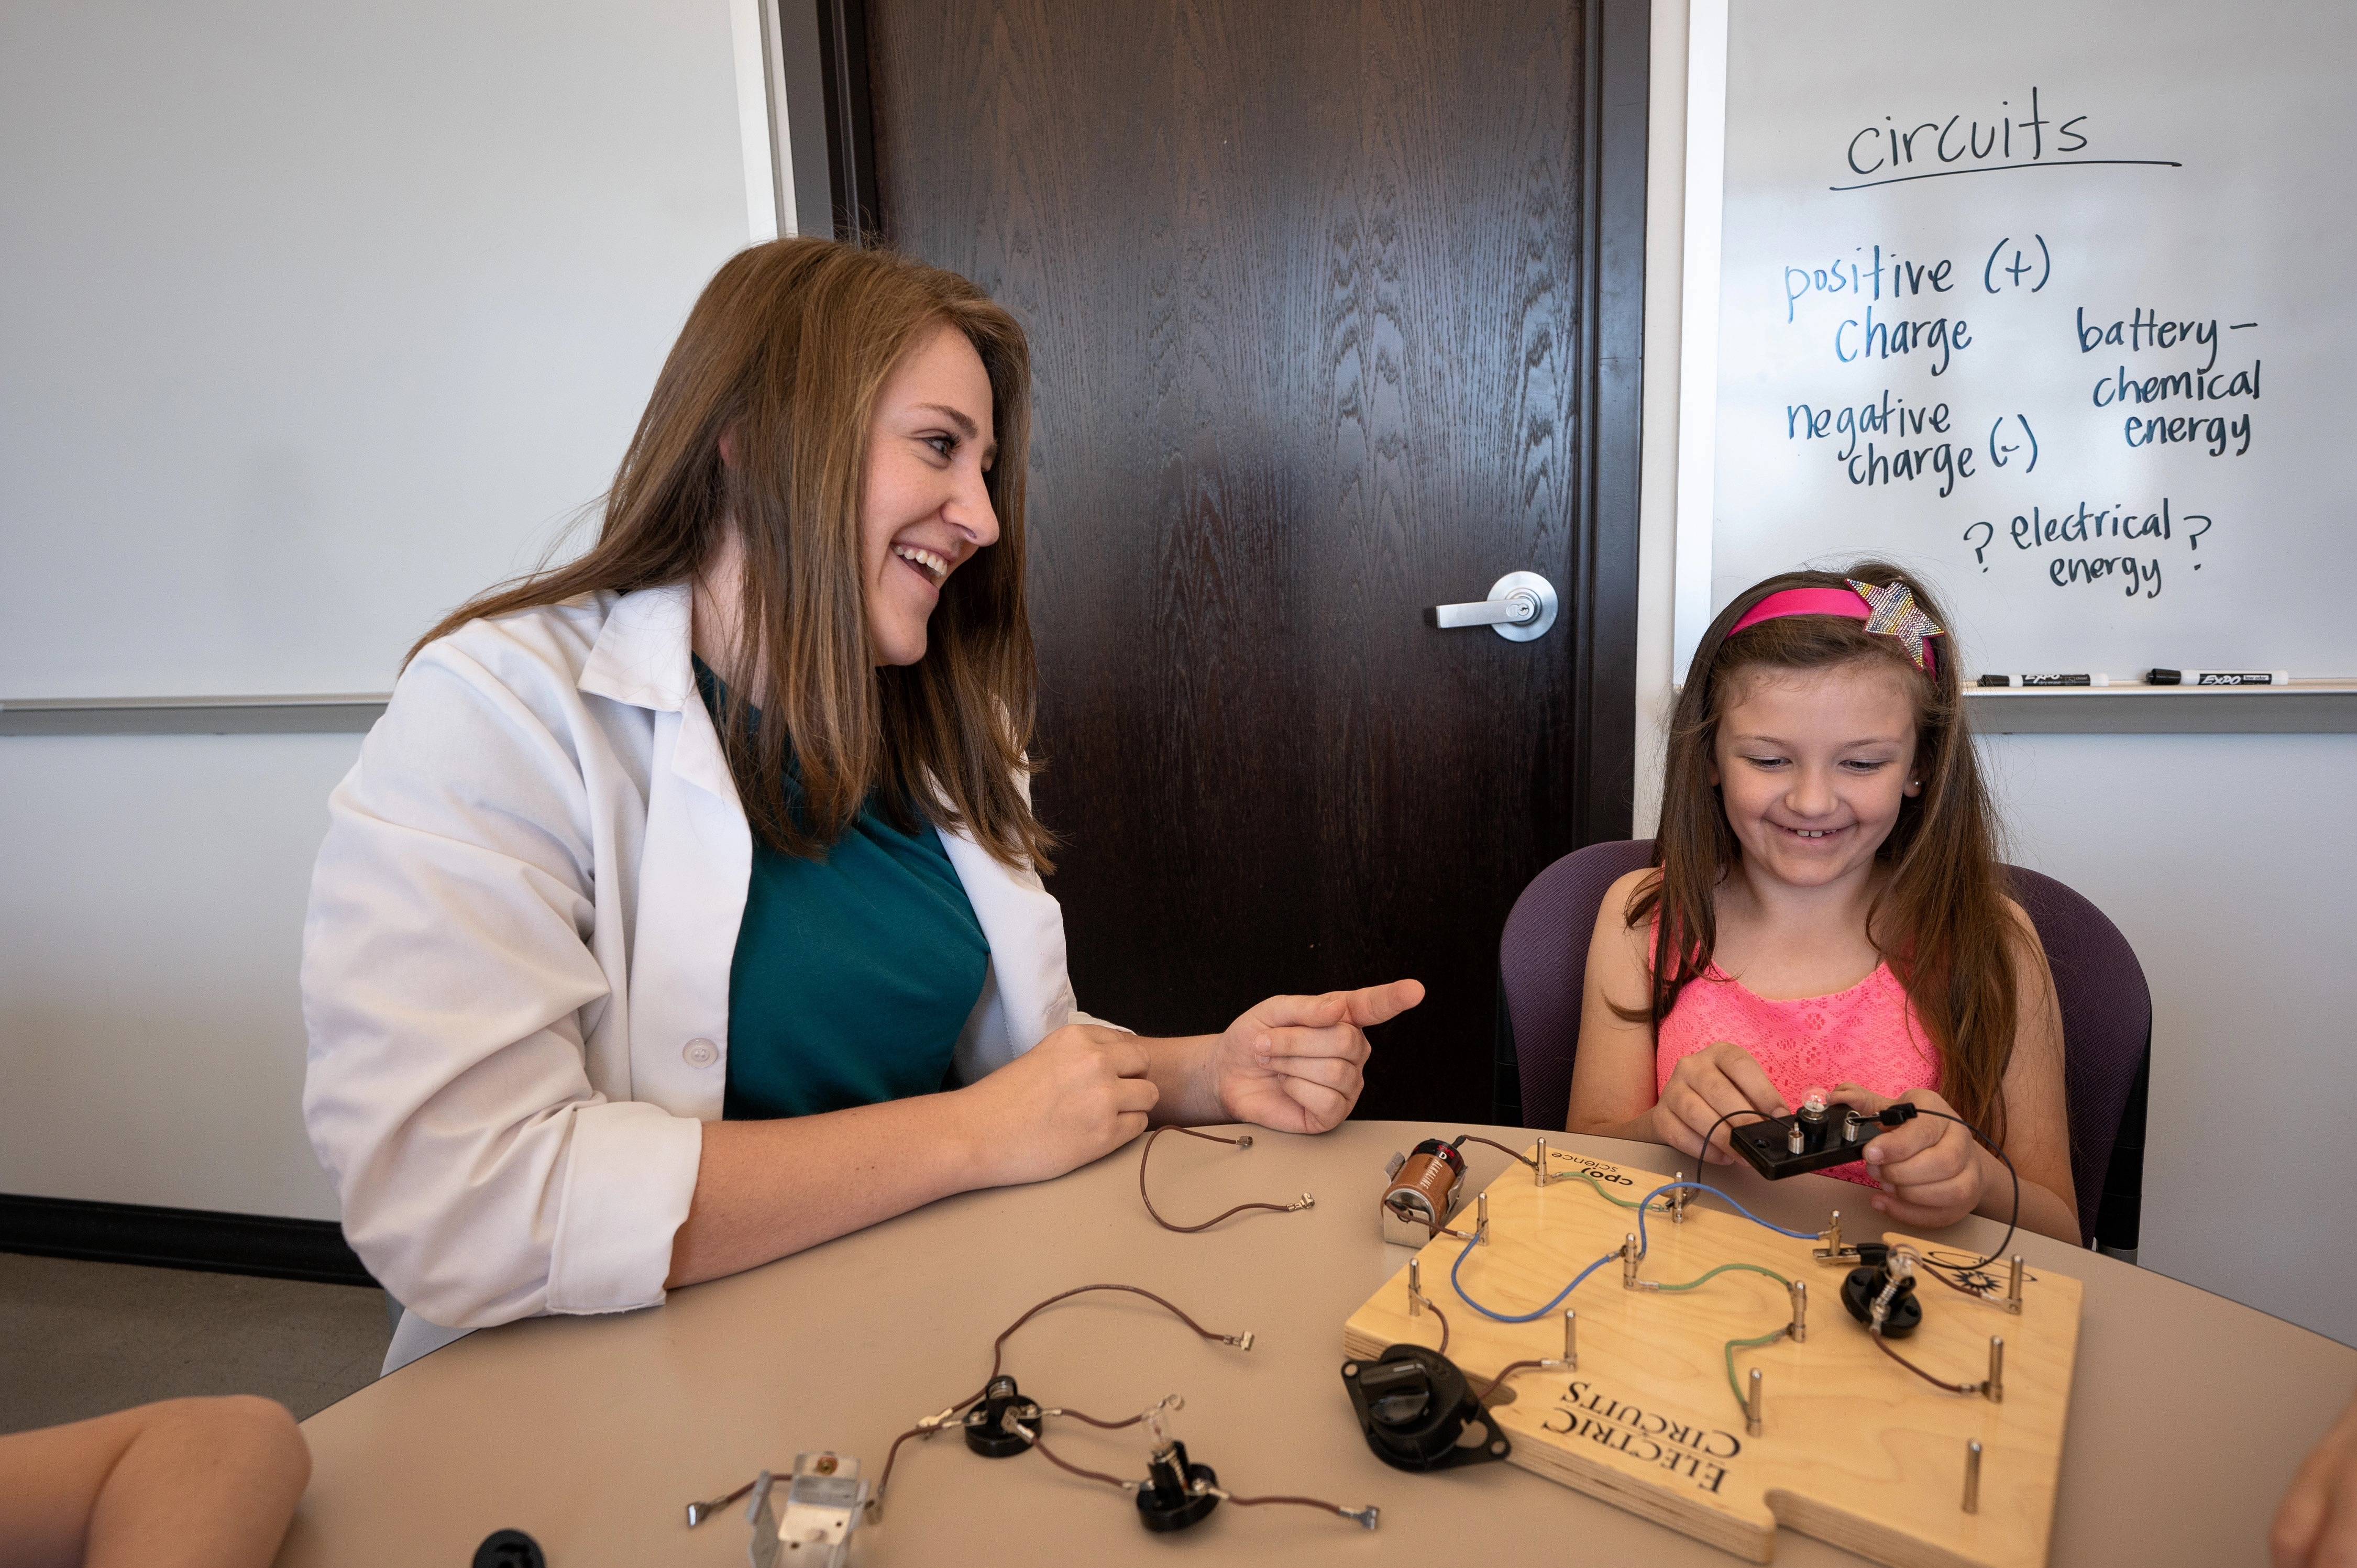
(245, 1430)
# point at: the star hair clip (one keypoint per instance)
(1891, 611)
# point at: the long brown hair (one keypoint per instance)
(1940, 920)
(787, 348)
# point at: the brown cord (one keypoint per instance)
(1441, 1349)
(1936, 1382)
(998, 1356)
(1508, 1371)
(892, 1457)
(1491, 1142)
(1092, 1421)
(1206, 1225)
(1299, 1502)
(1039, 1444)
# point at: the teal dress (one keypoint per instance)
(853, 975)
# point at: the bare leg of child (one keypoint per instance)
(196, 1483)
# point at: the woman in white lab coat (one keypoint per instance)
(684, 909)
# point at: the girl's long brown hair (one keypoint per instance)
(788, 349)
(1940, 920)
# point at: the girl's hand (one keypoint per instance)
(1296, 1063)
(1080, 1092)
(1931, 1166)
(1713, 1082)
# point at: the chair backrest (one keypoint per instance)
(2106, 1016)
(2107, 1039)
(1543, 967)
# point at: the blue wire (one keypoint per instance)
(1457, 1285)
(1698, 1187)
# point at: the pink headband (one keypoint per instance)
(1888, 612)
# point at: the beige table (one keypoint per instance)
(2188, 1416)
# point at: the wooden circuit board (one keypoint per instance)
(1853, 1449)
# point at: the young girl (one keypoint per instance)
(1827, 911)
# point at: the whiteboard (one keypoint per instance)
(2047, 302)
(319, 318)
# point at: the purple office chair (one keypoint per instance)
(2106, 1020)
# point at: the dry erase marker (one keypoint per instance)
(2045, 680)
(2219, 678)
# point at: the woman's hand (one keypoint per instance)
(1717, 1081)
(1080, 1092)
(1296, 1063)
(1930, 1168)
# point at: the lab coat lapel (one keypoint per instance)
(697, 863)
(1027, 994)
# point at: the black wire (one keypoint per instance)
(1703, 1159)
(2014, 1221)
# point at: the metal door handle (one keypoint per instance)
(1521, 606)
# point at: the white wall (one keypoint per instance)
(318, 320)
(2230, 862)
(151, 1040)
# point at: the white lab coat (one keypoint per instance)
(515, 966)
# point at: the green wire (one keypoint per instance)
(1623, 1202)
(1723, 1268)
(1734, 1345)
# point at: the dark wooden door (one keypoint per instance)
(1315, 295)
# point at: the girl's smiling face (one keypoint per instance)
(1813, 766)
(926, 505)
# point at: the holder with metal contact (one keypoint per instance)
(1415, 1410)
(1003, 1425)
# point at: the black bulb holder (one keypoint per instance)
(1177, 1493)
(1417, 1412)
(988, 1430)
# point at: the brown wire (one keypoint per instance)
(1508, 1371)
(1936, 1382)
(1039, 1443)
(998, 1356)
(1491, 1142)
(892, 1457)
(1092, 1421)
(1441, 1349)
(1299, 1502)
(1206, 1225)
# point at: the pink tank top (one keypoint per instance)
(1868, 1034)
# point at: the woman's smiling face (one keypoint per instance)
(925, 508)
(1813, 766)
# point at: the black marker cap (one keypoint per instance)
(1996, 681)
(2164, 677)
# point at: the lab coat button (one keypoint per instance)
(701, 1053)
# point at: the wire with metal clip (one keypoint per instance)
(933, 1423)
(1365, 1516)
(1304, 1201)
